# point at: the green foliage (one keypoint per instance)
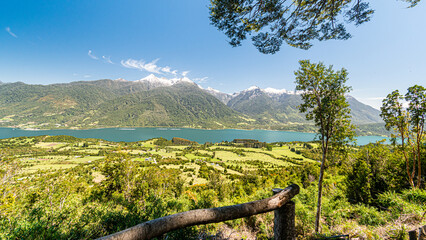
(408, 124)
(415, 196)
(368, 215)
(162, 142)
(275, 22)
(121, 189)
(107, 103)
(182, 141)
(399, 233)
(324, 101)
(358, 182)
(59, 138)
(279, 112)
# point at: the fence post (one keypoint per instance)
(418, 234)
(412, 235)
(284, 220)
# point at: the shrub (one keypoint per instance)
(415, 195)
(368, 215)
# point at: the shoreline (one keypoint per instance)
(127, 128)
(157, 127)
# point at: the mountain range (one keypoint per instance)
(156, 102)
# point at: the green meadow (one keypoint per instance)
(56, 187)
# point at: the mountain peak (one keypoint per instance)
(162, 81)
(183, 79)
(121, 80)
(212, 90)
(252, 88)
(274, 91)
(156, 80)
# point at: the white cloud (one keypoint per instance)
(167, 69)
(91, 55)
(87, 76)
(10, 32)
(141, 65)
(107, 59)
(200, 80)
(152, 67)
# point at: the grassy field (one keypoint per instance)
(104, 177)
(51, 155)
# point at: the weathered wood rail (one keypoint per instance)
(284, 213)
(418, 234)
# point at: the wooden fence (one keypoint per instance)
(284, 214)
(418, 234)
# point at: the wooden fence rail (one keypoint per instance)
(280, 203)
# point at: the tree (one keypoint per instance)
(408, 124)
(324, 101)
(359, 183)
(373, 172)
(297, 23)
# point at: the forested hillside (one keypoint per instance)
(107, 103)
(154, 102)
(272, 107)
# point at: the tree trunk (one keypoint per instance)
(407, 162)
(419, 171)
(419, 160)
(321, 176)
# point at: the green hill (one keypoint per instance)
(107, 103)
(156, 102)
(282, 108)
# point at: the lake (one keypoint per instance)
(198, 135)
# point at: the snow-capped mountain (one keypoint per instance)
(223, 97)
(274, 91)
(162, 81)
(272, 105)
(254, 90)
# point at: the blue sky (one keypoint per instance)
(51, 41)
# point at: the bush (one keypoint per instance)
(415, 195)
(368, 215)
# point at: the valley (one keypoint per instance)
(213, 120)
(160, 102)
(88, 188)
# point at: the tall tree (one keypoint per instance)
(408, 124)
(297, 23)
(324, 101)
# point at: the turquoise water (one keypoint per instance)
(198, 135)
